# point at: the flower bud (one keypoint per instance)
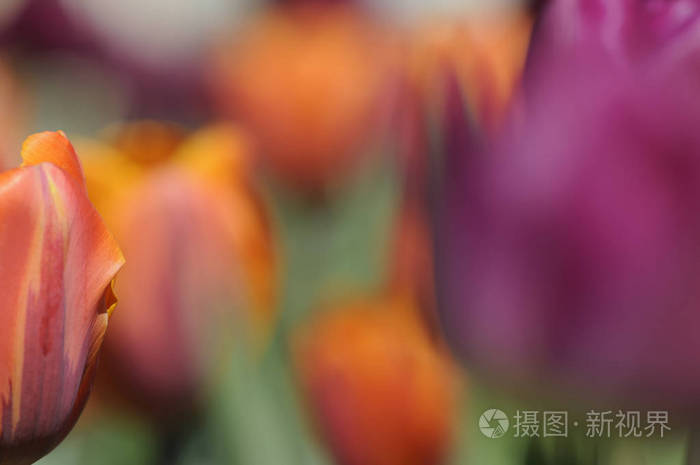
(315, 123)
(568, 255)
(200, 258)
(380, 391)
(58, 262)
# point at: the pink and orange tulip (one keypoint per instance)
(199, 248)
(57, 262)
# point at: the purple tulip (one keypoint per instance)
(569, 254)
(629, 31)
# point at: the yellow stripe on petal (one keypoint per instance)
(21, 234)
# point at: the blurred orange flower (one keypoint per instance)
(58, 262)
(309, 82)
(379, 389)
(199, 245)
(487, 54)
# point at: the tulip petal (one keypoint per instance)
(55, 148)
(182, 268)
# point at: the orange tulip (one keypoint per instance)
(198, 246)
(309, 83)
(487, 55)
(380, 391)
(57, 262)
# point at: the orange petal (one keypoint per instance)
(52, 147)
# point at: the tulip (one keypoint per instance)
(486, 53)
(568, 255)
(199, 247)
(482, 57)
(308, 83)
(628, 31)
(58, 262)
(378, 389)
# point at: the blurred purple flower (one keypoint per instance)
(629, 31)
(155, 47)
(569, 254)
(43, 25)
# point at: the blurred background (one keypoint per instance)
(268, 169)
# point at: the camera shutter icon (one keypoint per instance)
(493, 423)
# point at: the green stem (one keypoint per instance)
(693, 454)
